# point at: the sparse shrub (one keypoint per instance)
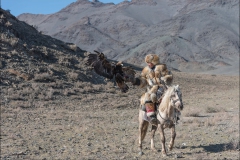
(26, 91)
(2, 16)
(21, 75)
(98, 87)
(42, 77)
(8, 24)
(78, 84)
(209, 123)
(25, 76)
(189, 121)
(192, 114)
(86, 53)
(198, 122)
(111, 90)
(12, 71)
(211, 110)
(120, 94)
(14, 51)
(64, 61)
(44, 49)
(49, 94)
(68, 92)
(35, 86)
(88, 87)
(109, 84)
(73, 76)
(25, 44)
(13, 42)
(73, 47)
(7, 39)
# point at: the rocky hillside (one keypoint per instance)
(28, 55)
(191, 36)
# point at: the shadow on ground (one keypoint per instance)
(215, 148)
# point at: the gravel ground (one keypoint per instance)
(88, 121)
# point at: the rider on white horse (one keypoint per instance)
(157, 77)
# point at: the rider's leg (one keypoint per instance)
(150, 110)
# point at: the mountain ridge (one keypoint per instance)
(191, 36)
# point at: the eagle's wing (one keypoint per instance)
(106, 69)
(129, 73)
(120, 82)
(100, 64)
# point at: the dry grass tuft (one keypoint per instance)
(8, 24)
(25, 76)
(211, 110)
(13, 71)
(209, 123)
(73, 47)
(43, 77)
(11, 40)
(192, 113)
(73, 76)
(111, 90)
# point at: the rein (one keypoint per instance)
(175, 101)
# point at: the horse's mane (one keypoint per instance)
(165, 104)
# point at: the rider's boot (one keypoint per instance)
(150, 110)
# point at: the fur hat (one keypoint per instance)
(152, 58)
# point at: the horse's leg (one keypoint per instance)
(143, 126)
(154, 128)
(162, 136)
(172, 138)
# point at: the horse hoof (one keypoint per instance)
(140, 153)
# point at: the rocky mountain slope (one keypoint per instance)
(191, 36)
(26, 55)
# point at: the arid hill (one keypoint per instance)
(28, 55)
(191, 36)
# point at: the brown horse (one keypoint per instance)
(167, 112)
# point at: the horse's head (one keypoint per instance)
(176, 97)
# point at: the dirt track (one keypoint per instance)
(85, 121)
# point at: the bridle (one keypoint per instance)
(176, 100)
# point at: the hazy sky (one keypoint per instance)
(17, 7)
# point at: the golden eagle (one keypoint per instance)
(111, 70)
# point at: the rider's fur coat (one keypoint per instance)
(156, 77)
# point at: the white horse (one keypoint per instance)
(167, 111)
